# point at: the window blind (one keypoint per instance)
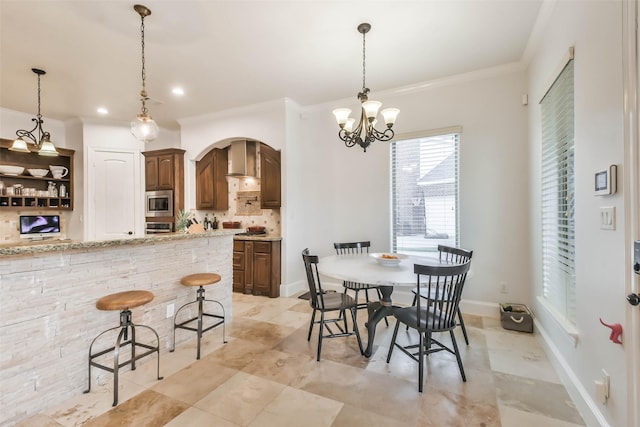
(424, 192)
(558, 194)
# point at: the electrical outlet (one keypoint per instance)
(170, 308)
(503, 288)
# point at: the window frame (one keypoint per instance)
(417, 244)
(557, 194)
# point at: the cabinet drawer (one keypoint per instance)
(238, 246)
(262, 247)
(238, 260)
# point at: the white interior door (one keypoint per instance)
(113, 194)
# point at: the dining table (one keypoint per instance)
(364, 268)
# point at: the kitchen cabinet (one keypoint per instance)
(164, 170)
(34, 196)
(212, 188)
(270, 180)
(256, 267)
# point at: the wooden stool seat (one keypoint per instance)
(200, 279)
(124, 300)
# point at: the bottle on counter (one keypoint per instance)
(206, 222)
(215, 223)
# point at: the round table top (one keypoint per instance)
(363, 268)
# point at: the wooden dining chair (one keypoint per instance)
(346, 248)
(324, 303)
(439, 289)
(456, 256)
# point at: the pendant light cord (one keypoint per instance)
(143, 92)
(364, 86)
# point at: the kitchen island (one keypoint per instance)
(48, 317)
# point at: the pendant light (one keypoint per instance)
(42, 141)
(144, 128)
(365, 132)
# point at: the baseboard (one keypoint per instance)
(291, 289)
(480, 308)
(587, 407)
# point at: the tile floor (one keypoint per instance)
(267, 375)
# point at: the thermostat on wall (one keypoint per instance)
(605, 181)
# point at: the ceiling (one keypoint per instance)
(228, 54)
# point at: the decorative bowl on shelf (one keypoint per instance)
(388, 259)
(38, 173)
(11, 170)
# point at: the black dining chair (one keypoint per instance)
(346, 248)
(328, 303)
(455, 256)
(442, 286)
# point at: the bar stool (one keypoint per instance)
(200, 280)
(123, 301)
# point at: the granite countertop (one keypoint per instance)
(259, 237)
(24, 248)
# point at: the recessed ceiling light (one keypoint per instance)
(178, 91)
(102, 110)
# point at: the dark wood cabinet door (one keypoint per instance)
(151, 173)
(270, 180)
(262, 274)
(212, 188)
(220, 183)
(204, 182)
(165, 180)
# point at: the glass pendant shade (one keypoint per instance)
(342, 115)
(46, 147)
(349, 126)
(144, 128)
(371, 109)
(390, 115)
(19, 145)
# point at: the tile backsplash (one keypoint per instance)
(244, 206)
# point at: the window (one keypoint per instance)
(424, 192)
(558, 196)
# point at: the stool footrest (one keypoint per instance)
(189, 328)
(199, 318)
(151, 349)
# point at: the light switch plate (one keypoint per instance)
(608, 218)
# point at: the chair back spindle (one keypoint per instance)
(352, 247)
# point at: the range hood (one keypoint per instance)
(242, 155)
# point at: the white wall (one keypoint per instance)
(595, 29)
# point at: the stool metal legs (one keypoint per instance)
(123, 340)
(199, 318)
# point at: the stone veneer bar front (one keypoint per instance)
(48, 316)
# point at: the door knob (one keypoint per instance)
(634, 299)
(130, 233)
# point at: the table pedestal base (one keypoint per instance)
(377, 311)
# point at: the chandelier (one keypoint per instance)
(365, 132)
(43, 139)
(144, 128)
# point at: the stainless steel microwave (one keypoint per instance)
(159, 203)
